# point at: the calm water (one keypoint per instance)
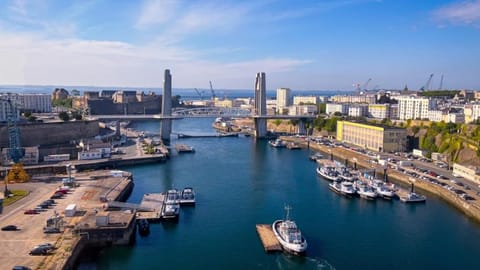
(240, 182)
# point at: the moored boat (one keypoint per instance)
(346, 188)
(327, 170)
(288, 234)
(143, 226)
(413, 197)
(335, 186)
(277, 143)
(171, 205)
(365, 191)
(187, 197)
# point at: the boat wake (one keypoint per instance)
(286, 261)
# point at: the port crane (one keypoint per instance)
(365, 85)
(200, 94)
(211, 90)
(427, 84)
(441, 83)
(15, 152)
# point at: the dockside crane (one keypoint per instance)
(15, 152)
(365, 85)
(427, 84)
(211, 90)
(200, 94)
(441, 83)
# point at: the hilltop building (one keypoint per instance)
(411, 107)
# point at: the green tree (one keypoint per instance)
(64, 116)
(415, 130)
(322, 108)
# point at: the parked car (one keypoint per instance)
(51, 230)
(57, 195)
(39, 251)
(20, 267)
(47, 246)
(10, 228)
(31, 212)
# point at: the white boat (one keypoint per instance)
(413, 197)
(315, 157)
(335, 186)
(345, 174)
(327, 169)
(171, 205)
(277, 143)
(188, 196)
(365, 191)
(346, 188)
(383, 190)
(288, 234)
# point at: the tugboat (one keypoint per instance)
(143, 227)
(187, 197)
(288, 234)
(413, 197)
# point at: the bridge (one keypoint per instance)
(168, 114)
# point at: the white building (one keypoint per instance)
(283, 99)
(411, 107)
(332, 108)
(369, 99)
(302, 110)
(357, 110)
(304, 100)
(379, 111)
(40, 103)
(471, 173)
(445, 116)
(472, 112)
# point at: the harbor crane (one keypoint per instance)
(427, 84)
(365, 85)
(211, 90)
(441, 83)
(15, 151)
(200, 94)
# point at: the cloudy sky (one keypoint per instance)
(304, 45)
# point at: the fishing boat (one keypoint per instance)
(346, 188)
(171, 206)
(366, 191)
(327, 170)
(413, 197)
(288, 234)
(277, 143)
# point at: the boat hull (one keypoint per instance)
(296, 249)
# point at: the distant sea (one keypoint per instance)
(184, 93)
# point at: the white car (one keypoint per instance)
(45, 245)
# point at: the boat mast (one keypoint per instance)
(287, 209)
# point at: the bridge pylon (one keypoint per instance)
(166, 125)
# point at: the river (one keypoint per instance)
(241, 182)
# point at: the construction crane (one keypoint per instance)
(199, 93)
(211, 90)
(15, 151)
(441, 83)
(427, 84)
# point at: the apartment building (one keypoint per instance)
(373, 137)
(412, 107)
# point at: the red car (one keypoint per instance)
(30, 212)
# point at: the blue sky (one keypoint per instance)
(304, 45)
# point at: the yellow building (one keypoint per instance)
(373, 137)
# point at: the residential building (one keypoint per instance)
(369, 99)
(379, 111)
(446, 116)
(39, 103)
(373, 137)
(332, 108)
(358, 110)
(303, 110)
(412, 107)
(472, 112)
(283, 98)
(305, 100)
(471, 173)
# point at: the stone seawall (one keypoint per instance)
(33, 134)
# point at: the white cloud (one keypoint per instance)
(466, 12)
(33, 59)
(155, 12)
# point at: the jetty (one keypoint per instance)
(269, 241)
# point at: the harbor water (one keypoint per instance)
(241, 182)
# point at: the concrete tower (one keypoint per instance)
(166, 127)
(260, 106)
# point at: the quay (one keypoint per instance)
(153, 201)
(269, 241)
